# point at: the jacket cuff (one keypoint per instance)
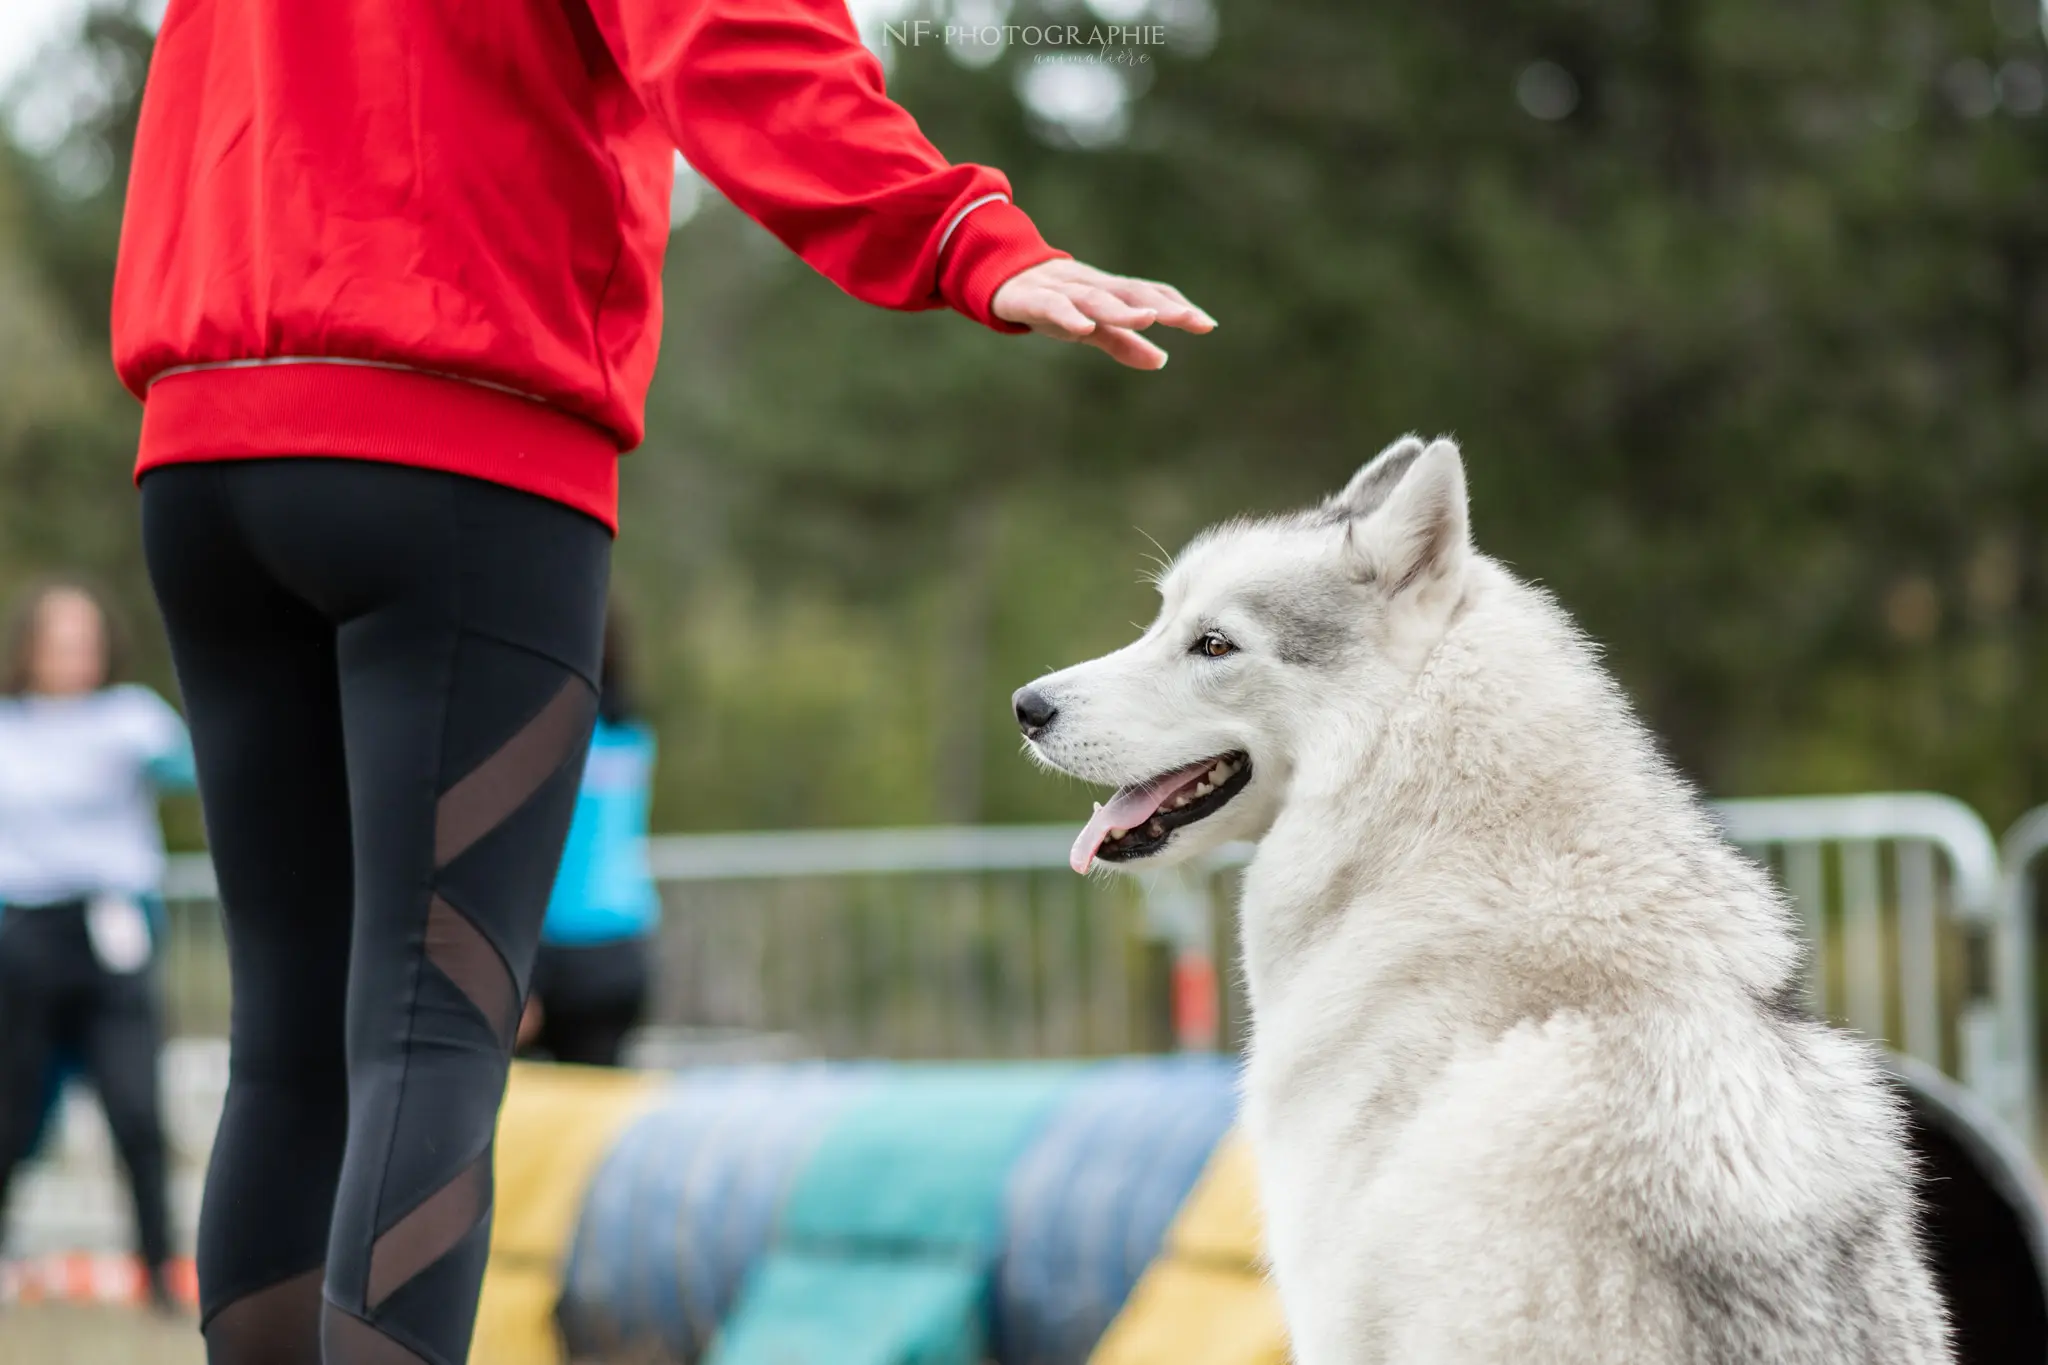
(990, 243)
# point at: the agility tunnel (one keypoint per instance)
(1986, 1220)
(1025, 1214)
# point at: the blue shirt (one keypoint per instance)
(604, 892)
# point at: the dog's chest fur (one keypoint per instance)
(1519, 1093)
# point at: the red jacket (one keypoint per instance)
(431, 232)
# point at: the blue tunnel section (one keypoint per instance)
(894, 1214)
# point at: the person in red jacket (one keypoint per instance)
(389, 289)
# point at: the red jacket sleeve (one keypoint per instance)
(778, 104)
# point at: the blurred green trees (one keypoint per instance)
(1740, 310)
(67, 430)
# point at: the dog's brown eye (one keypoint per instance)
(1213, 646)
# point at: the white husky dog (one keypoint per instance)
(1528, 1081)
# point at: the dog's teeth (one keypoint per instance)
(1202, 789)
(1118, 833)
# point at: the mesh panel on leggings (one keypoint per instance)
(468, 811)
(351, 1341)
(502, 783)
(431, 1230)
(469, 960)
(279, 1325)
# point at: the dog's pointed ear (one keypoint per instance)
(1419, 533)
(1374, 480)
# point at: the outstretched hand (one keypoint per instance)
(1069, 301)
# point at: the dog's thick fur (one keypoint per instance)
(1528, 1079)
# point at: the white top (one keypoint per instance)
(78, 779)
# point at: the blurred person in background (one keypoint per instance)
(82, 760)
(591, 978)
(389, 289)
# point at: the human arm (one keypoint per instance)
(172, 769)
(161, 744)
(778, 104)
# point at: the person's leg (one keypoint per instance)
(586, 1036)
(468, 650)
(257, 669)
(594, 998)
(121, 1044)
(29, 995)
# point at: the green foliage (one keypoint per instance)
(1746, 352)
(67, 429)
(67, 432)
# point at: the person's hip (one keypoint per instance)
(98, 945)
(593, 974)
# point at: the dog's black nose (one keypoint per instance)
(1034, 711)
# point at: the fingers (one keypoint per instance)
(1072, 311)
(1106, 306)
(1051, 312)
(1060, 317)
(1168, 304)
(1070, 301)
(1127, 348)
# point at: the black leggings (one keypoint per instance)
(390, 675)
(591, 998)
(55, 994)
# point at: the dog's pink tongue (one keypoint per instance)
(1128, 809)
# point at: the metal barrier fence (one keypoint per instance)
(2021, 858)
(1912, 939)
(942, 942)
(979, 942)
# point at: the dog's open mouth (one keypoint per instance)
(1139, 820)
